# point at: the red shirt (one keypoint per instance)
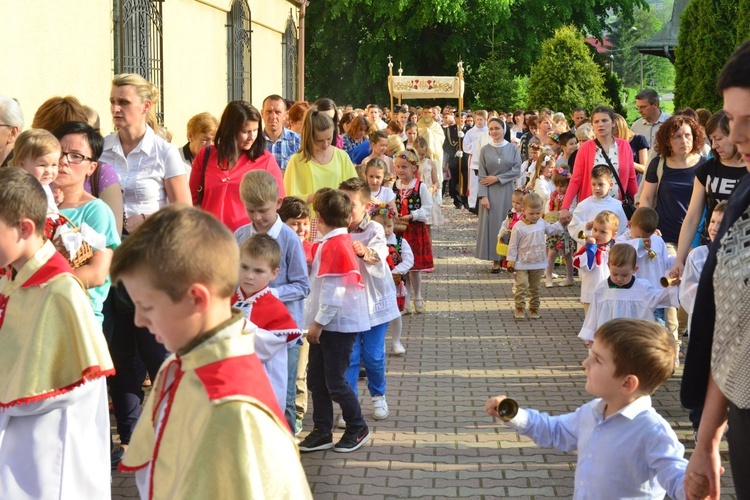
(222, 187)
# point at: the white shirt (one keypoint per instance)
(614, 158)
(474, 140)
(423, 213)
(631, 454)
(384, 195)
(143, 172)
(588, 209)
(336, 302)
(527, 248)
(696, 259)
(637, 302)
(648, 130)
(651, 270)
(407, 256)
(592, 273)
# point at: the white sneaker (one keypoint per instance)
(398, 348)
(381, 407)
(341, 423)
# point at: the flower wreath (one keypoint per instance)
(382, 210)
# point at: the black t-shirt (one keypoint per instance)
(718, 180)
(673, 196)
(637, 143)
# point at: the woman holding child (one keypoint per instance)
(592, 153)
(215, 181)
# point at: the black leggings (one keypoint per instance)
(738, 437)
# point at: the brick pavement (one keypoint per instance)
(438, 441)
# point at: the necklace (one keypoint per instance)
(224, 171)
(449, 136)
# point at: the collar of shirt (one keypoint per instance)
(362, 225)
(273, 232)
(146, 145)
(333, 232)
(612, 284)
(662, 118)
(629, 411)
(286, 135)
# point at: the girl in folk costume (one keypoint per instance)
(375, 172)
(541, 179)
(414, 204)
(428, 174)
(514, 215)
(400, 260)
(559, 245)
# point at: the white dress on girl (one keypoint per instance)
(544, 187)
(425, 175)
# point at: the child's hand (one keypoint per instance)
(696, 486)
(359, 248)
(58, 195)
(589, 225)
(491, 405)
(511, 267)
(314, 332)
(591, 239)
(647, 242)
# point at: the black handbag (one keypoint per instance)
(628, 205)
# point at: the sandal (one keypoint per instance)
(419, 306)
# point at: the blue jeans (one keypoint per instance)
(369, 348)
(290, 411)
(659, 316)
(326, 380)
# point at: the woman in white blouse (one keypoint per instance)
(151, 170)
(152, 175)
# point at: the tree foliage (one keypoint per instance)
(710, 30)
(348, 41)
(566, 75)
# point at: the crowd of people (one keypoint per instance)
(263, 264)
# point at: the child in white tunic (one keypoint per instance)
(591, 259)
(622, 295)
(600, 200)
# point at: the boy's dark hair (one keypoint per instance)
(22, 197)
(262, 247)
(641, 348)
(359, 186)
(95, 140)
(622, 254)
(293, 208)
(646, 219)
(333, 207)
(736, 72)
(176, 248)
(601, 172)
(565, 137)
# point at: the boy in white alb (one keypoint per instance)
(622, 295)
(653, 258)
(600, 200)
(476, 138)
(527, 253)
(591, 259)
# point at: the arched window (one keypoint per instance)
(138, 43)
(239, 55)
(289, 61)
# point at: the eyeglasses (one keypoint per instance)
(74, 158)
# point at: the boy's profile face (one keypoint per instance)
(255, 274)
(600, 186)
(637, 232)
(10, 249)
(602, 233)
(532, 214)
(263, 216)
(300, 226)
(359, 207)
(621, 275)
(600, 372)
(570, 146)
(173, 323)
(713, 226)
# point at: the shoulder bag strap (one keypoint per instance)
(201, 188)
(623, 194)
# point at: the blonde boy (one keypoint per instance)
(625, 449)
(260, 195)
(623, 295)
(600, 200)
(591, 259)
(54, 422)
(212, 414)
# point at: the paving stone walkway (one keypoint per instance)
(438, 441)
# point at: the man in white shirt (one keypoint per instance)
(652, 117)
(475, 139)
(374, 113)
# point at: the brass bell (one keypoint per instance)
(507, 409)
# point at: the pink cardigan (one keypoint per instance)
(580, 182)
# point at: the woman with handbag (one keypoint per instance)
(218, 170)
(604, 149)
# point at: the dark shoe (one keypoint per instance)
(473, 211)
(315, 441)
(353, 439)
(362, 372)
(115, 457)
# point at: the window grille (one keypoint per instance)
(239, 54)
(290, 58)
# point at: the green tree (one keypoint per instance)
(348, 41)
(566, 75)
(493, 84)
(708, 36)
